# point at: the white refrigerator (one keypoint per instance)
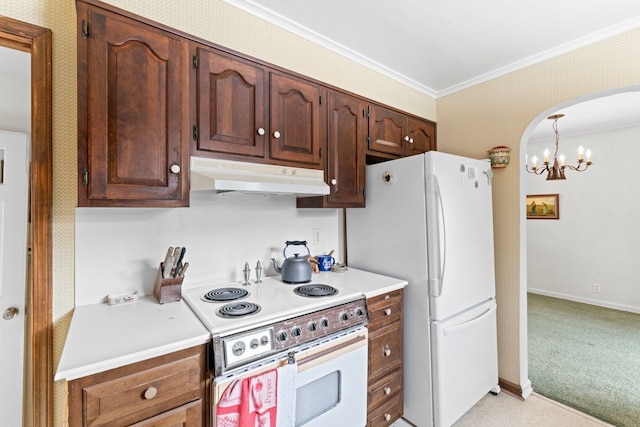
(428, 219)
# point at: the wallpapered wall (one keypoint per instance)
(504, 111)
(469, 123)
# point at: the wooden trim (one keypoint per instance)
(510, 387)
(37, 41)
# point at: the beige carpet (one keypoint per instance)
(507, 410)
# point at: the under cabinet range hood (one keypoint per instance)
(244, 177)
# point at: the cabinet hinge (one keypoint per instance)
(85, 177)
(195, 62)
(194, 132)
(320, 99)
(320, 152)
(368, 112)
(85, 29)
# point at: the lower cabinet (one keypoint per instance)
(385, 385)
(166, 390)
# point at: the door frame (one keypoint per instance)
(36, 41)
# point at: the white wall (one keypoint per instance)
(597, 236)
(15, 102)
(120, 249)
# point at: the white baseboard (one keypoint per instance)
(585, 300)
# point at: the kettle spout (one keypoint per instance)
(275, 266)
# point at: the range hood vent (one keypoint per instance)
(226, 175)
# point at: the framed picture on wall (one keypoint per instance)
(543, 206)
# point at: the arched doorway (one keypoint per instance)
(611, 99)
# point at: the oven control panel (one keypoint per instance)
(241, 348)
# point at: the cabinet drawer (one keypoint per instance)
(386, 414)
(384, 389)
(134, 397)
(385, 309)
(385, 350)
(189, 415)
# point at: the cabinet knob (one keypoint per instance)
(410, 140)
(334, 181)
(150, 393)
(406, 138)
(10, 313)
(175, 168)
(387, 390)
(276, 134)
(387, 417)
(387, 351)
(387, 311)
(260, 131)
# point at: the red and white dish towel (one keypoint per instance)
(264, 400)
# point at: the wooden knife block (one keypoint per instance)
(167, 290)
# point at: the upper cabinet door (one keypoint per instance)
(387, 130)
(422, 136)
(133, 114)
(347, 133)
(297, 120)
(231, 105)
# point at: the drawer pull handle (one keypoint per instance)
(387, 311)
(387, 351)
(387, 390)
(150, 393)
(387, 417)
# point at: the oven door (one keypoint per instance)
(331, 381)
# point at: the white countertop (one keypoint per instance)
(103, 337)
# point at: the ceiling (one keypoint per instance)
(439, 47)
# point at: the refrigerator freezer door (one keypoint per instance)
(459, 232)
(465, 361)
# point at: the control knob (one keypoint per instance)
(281, 336)
(295, 331)
(238, 348)
(312, 327)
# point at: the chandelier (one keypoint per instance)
(556, 169)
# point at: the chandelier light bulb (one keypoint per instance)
(561, 159)
(534, 160)
(580, 152)
(588, 156)
(546, 155)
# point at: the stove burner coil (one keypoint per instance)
(314, 290)
(225, 294)
(238, 309)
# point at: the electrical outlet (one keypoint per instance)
(596, 287)
(316, 236)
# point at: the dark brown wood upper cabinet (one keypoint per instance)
(232, 110)
(346, 145)
(387, 128)
(133, 123)
(394, 134)
(297, 119)
(422, 136)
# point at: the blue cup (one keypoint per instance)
(325, 262)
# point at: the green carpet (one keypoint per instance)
(586, 357)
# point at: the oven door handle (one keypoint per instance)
(309, 358)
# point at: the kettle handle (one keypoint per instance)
(295, 243)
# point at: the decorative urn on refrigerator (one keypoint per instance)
(428, 220)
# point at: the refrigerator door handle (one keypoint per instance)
(436, 237)
(458, 328)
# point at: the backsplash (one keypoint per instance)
(120, 249)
